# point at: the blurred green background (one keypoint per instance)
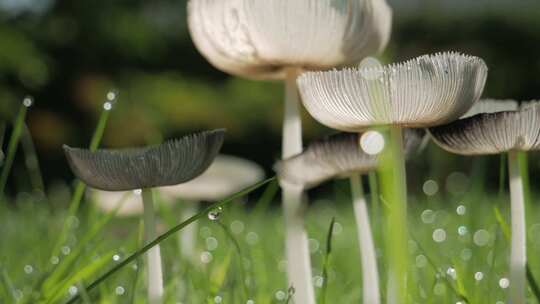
(68, 54)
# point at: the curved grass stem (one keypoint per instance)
(370, 274)
(518, 251)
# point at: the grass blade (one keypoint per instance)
(233, 240)
(167, 234)
(80, 186)
(12, 145)
(326, 261)
(31, 161)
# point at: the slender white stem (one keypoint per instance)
(155, 276)
(370, 274)
(297, 249)
(518, 251)
(188, 235)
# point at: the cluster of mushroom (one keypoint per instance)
(383, 107)
(282, 39)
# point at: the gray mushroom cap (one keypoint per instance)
(338, 155)
(171, 163)
(492, 133)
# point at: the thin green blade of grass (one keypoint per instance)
(61, 270)
(268, 195)
(326, 261)
(80, 186)
(169, 233)
(31, 160)
(12, 148)
(82, 274)
(8, 285)
(236, 245)
(533, 284)
(84, 294)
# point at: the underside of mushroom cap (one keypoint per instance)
(334, 156)
(492, 133)
(173, 162)
(492, 106)
(261, 38)
(426, 91)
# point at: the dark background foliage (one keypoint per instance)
(68, 54)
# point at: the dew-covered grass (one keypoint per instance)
(458, 251)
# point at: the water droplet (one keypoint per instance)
(439, 235)
(466, 254)
(291, 291)
(28, 101)
(478, 276)
(338, 228)
(428, 216)
(421, 261)
(28, 269)
(116, 257)
(119, 290)
(280, 295)
(461, 210)
(211, 244)
(451, 272)
(237, 227)
(55, 260)
(439, 289)
(252, 238)
(112, 95)
(65, 250)
(504, 283)
(313, 246)
(370, 68)
(214, 214)
(462, 230)
(372, 142)
(217, 299)
(430, 187)
(481, 238)
(73, 290)
(18, 294)
(107, 106)
(250, 301)
(206, 257)
(318, 281)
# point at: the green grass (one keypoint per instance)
(29, 229)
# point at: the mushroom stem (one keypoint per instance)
(394, 196)
(518, 251)
(297, 250)
(370, 274)
(187, 237)
(154, 273)
(297, 247)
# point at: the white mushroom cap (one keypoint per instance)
(259, 38)
(425, 91)
(128, 202)
(492, 133)
(334, 156)
(226, 176)
(492, 106)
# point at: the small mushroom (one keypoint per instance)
(426, 91)
(277, 39)
(226, 175)
(341, 155)
(505, 127)
(170, 163)
(123, 203)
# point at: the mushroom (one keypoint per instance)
(505, 127)
(340, 155)
(276, 39)
(170, 163)
(426, 91)
(123, 203)
(226, 175)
